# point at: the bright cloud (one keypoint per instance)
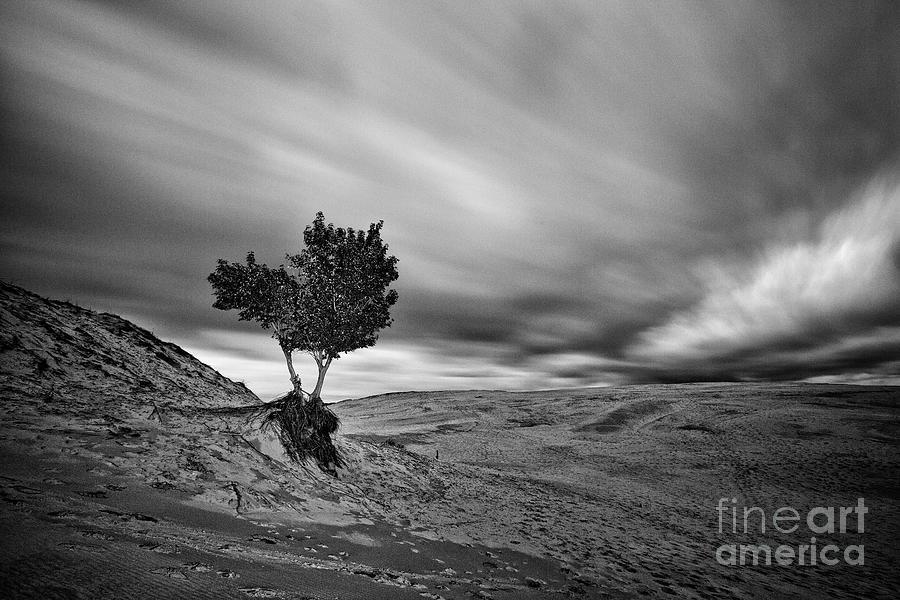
(811, 290)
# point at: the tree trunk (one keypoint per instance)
(323, 368)
(295, 379)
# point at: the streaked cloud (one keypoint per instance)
(577, 192)
(399, 366)
(803, 295)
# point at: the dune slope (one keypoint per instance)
(124, 473)
(121, 476)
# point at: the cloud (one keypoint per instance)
(549, 176)
(397, 365)
(843, 283)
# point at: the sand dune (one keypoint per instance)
(120, 477)
(622, 483)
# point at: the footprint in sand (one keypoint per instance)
(264, 593)
(81, 547)
(98, 535)
(61, 514)
(92, 494)
(260, 538)
(160, 548)
(129, 516)
(227, 574)
(170, 572)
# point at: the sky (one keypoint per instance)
(578, 193)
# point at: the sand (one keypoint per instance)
(121, 477)
(622, 484)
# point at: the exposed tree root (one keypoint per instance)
(304, 427)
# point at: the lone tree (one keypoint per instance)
(333, 298)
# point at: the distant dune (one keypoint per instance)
(623, 483)
(121, 476)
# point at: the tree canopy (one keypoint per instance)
(333, 297)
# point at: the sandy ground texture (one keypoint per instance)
(621, 484)
(120, 477)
